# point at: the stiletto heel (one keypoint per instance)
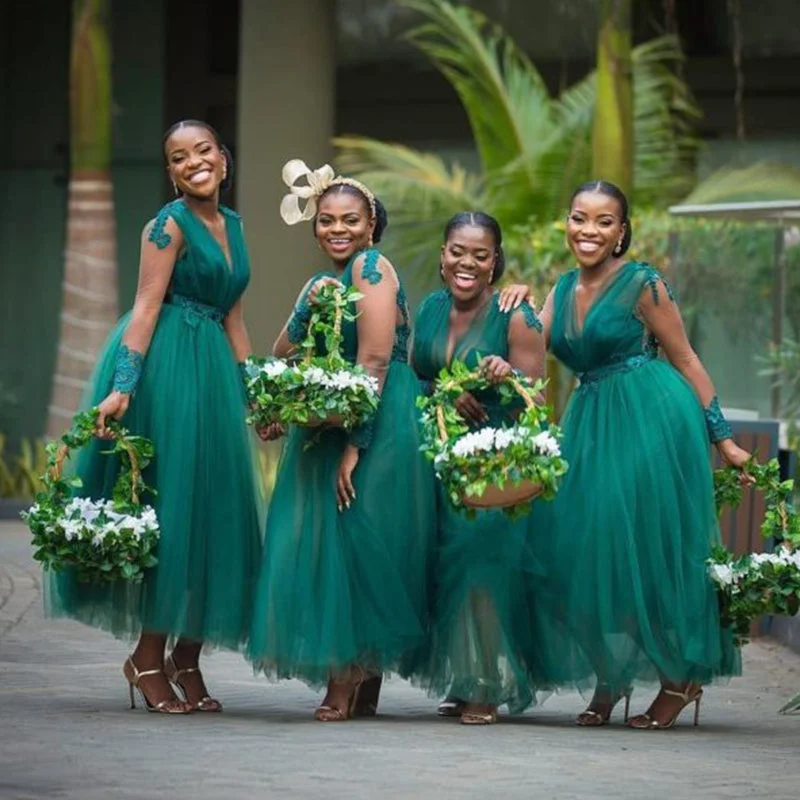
(368, 697)
(173, 675)
(133, 676)
(326, 713)
(645, 722)
(594, 719)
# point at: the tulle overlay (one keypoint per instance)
(352, 587)
(626, 597)
(482, 647)
(191, 403)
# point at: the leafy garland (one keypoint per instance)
(755, 584)
(317, 388)
(468, 462)
(101, 540)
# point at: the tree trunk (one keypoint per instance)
(89, 288)
(612, 141)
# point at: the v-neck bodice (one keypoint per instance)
(202, 272)
(611, 330)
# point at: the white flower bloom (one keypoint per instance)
(722, 574)
(546, 444)
(72, 528)
(272, 369)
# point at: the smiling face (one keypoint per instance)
(468, 261)
(343, 225)
(594, 228)
(195, 162)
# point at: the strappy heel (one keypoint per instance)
(134, 675)
(594, 719)
(173, 674)
(479, 717)
(451, 707)
(366, 704)
(645, 722)
(326, 713)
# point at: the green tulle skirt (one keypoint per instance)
(481, 637)
(190, 402)
(626, 596)
(352, 587)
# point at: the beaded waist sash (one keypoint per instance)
(626, 365)
(193, 310)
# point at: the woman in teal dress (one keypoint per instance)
(480, 632)
(634, 522)
(169, 372)
(343, 592)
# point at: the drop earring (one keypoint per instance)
(175, 188)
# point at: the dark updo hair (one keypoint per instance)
(226, 154)
(381, 217)
(610, 190)
(478, 219)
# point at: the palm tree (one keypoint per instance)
(89, 288)
(533, 147)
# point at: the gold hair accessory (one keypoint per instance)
(317, 182)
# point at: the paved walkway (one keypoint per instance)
(66, 732)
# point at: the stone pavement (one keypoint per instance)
(66, 732)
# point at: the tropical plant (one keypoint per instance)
(20, 474)
(89, 293)
(533, 147)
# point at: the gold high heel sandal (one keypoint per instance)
(479, 717)
(594, 719)
(133, 676)
(326, 713)
(173, 674)
(647, 723)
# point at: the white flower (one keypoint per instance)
(546, 444)
(722, 574)
(471, 443)
(88, 509)
(505, 437)
(272, 369)
(72, 528)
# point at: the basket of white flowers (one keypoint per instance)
(100, 541)
(318, 389)
(494, 467)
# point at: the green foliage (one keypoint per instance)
(468, 462)
(782, 365)
(320, 387)
(534, 148)
(752, 585)
(100, 540)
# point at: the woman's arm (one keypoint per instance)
(546, 318)
(236, 331)
(662, 317)
(156, 264)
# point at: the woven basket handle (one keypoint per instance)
(57, 469)
(521, 390)
(337, 336)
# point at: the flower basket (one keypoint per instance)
(491, 468)
(755, 584)
(105, 540)
(317, 390)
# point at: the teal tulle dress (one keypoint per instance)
(626, 596)
(190, 401)
(346, 588)
(481, 633)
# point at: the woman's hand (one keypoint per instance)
(345, 493)
(313, 292)
(737, 457)
(471, 409)
(114, 406)
(514, 296)
(495, 369)
(268, 433)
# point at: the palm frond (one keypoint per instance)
(503, 94)
(763, 180)
(420, 191)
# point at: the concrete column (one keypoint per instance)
(285, 110)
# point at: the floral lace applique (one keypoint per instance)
(127, 369)
(370, 271)
(158, 236)
(531, 319)
(718, 427)
(652, 278)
